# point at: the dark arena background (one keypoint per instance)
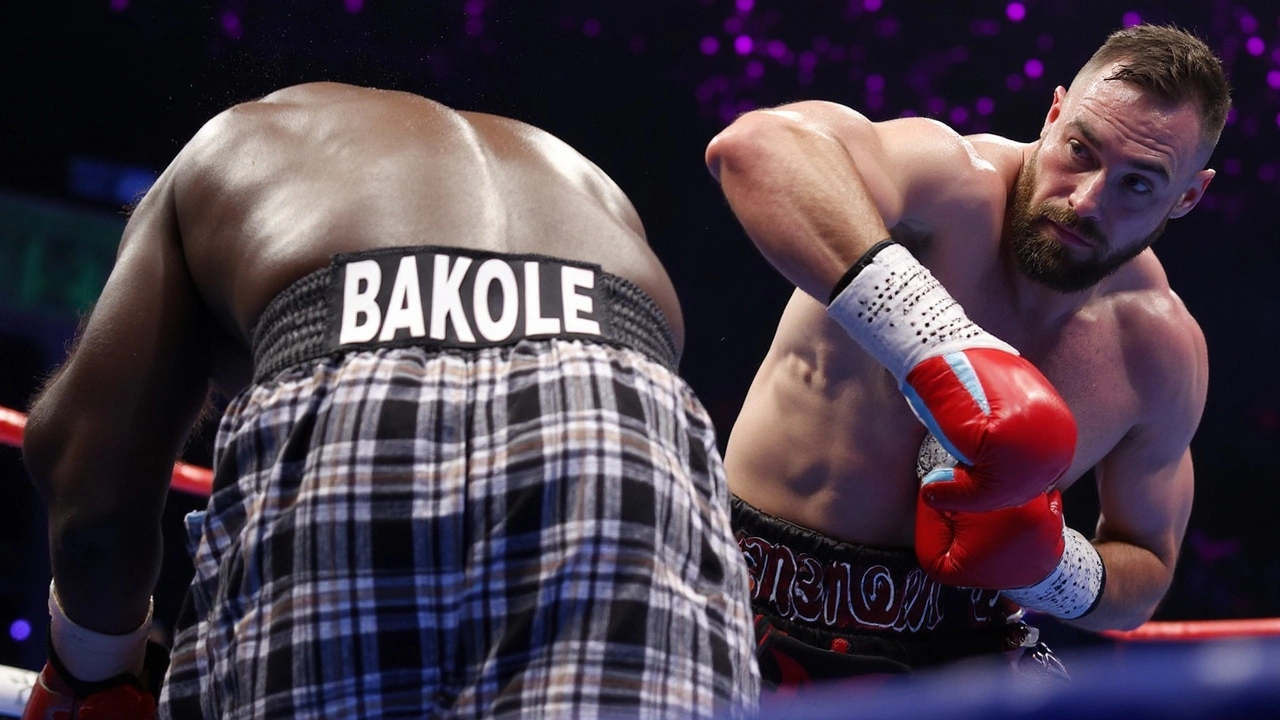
(98, 96)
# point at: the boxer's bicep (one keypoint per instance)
(109, 425)
(1146, 483)
(1144, 504)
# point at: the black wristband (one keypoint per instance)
(857, 267)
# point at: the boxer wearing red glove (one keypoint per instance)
(1012, 433)
(1027, 552)
(95, 676)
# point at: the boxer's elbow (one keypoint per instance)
(43, 442)
(751, 140)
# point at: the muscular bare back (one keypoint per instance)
(268, 190)
(826, 440)
(264, 194)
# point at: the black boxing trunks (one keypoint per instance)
(828, 610)
(423, 527)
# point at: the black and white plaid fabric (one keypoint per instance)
(538, 530)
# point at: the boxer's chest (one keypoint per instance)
(1084, 356)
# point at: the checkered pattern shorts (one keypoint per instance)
(536, 531)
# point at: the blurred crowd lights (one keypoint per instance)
(20, 630)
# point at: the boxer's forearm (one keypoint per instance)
(1137, 580)
(105, 572)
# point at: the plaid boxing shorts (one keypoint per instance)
(532, 527)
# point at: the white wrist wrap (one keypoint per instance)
(900, 314)
(92, 656)
(1073, 588)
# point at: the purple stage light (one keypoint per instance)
(887, 27)
(20, 630)
(119, 5)
(1273, 79)
(1255, 46)
(1016, 11)
(1014, 82)
(1033, 68)
(353, 6)
(755, 70)
(985, 106)
(984, 28)
(709, 45)
(743, 44)
(746, 5)
(591, 27)
(871, 5)
(1249, 24)
(959, 115)
(776, 49)
(875, 83)
(231, 25)
(1131, 18)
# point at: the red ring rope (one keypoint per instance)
(190, 479)
(1197, 630)
(198, 481)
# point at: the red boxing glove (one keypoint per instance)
(996, 550)
(1011, 432)
(54, 698)
(1000, 418)
(116, 692)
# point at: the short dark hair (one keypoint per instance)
(1175, 65)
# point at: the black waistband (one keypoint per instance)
(427, 297)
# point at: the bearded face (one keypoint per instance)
(1043, 258)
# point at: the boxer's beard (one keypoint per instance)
(1044, 259)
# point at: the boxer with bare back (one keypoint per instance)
(459, 474)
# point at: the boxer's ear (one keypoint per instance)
(1192, 193)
